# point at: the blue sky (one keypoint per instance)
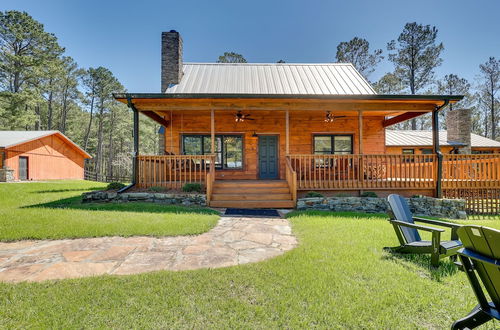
(124, 36)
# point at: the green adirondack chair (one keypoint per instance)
(407, 231)
(480, 257)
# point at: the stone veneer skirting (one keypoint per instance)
(6, 175)
(426, 206)
(179, 199)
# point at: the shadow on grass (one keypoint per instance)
(66, 190)
(423, 262)
(75, 203)
(331, 214)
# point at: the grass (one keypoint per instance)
(53, 210)
(338, 277)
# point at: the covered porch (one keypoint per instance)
(326, 143)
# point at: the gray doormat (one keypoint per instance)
(252, 212)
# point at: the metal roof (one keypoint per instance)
(12, 138)
(424, 139)
(271, 79)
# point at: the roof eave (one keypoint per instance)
(61, 135)
(435, 98)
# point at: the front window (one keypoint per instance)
(427, 151)
(228, 149)
(408, 152)
(333, 144)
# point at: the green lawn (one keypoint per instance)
(51, 210)
(338, 277)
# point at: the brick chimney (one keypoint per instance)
(458, 125)
(171, 59)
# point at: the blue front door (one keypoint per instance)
(268, 157)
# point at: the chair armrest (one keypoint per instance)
(437, 222)
(413, 225)
(453, 226)
(478, 257)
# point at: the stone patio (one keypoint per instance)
(232, 241)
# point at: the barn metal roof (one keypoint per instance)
(413, 138)
(13, 138)
(271, 79)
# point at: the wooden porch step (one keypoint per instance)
(251, 190)
(250, 197)
(249, 183)
(253, 204)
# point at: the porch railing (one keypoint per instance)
(471, 171)
(172, 171)
(324, 172)
(210, 181)
(344, 172)
(291, 179)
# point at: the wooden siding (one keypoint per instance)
(49, 158)
(303, 126)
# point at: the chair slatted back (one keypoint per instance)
(486, 242)
(401, 211)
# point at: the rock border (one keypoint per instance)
(162, 198)
(424, 206)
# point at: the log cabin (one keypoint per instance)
(39, 155)
(258, 135)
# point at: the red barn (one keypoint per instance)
(39, 155)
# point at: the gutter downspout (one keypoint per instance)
(437, 149)
(136, 145)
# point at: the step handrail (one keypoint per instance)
(291, 179)
(210, 179)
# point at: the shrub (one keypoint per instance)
(314, 194)
(343, 195)
(192, 187)
(417, 196)
(368, 194)
(115, 186)
(156, 189)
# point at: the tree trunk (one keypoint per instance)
(110, 144)
(99, 139)
(492, 110)
(64, 111)
(49, 107)
(87, 133)
(16, 82)
(37, 120)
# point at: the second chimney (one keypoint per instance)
(171, 59)
(458, 125)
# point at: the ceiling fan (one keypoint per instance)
(330, 117)
(240, 116)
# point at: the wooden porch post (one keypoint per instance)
(437, 151)
(135, 162)
(212, 131)
(287, 132)
(360, 150)
(360, 129)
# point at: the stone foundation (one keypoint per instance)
(423, 206)
(171, 199)
(6, 175)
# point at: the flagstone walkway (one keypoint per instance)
(232, 241)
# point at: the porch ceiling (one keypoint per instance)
(371, 105)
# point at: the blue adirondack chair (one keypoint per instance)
(407, 232)
(480, 257)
